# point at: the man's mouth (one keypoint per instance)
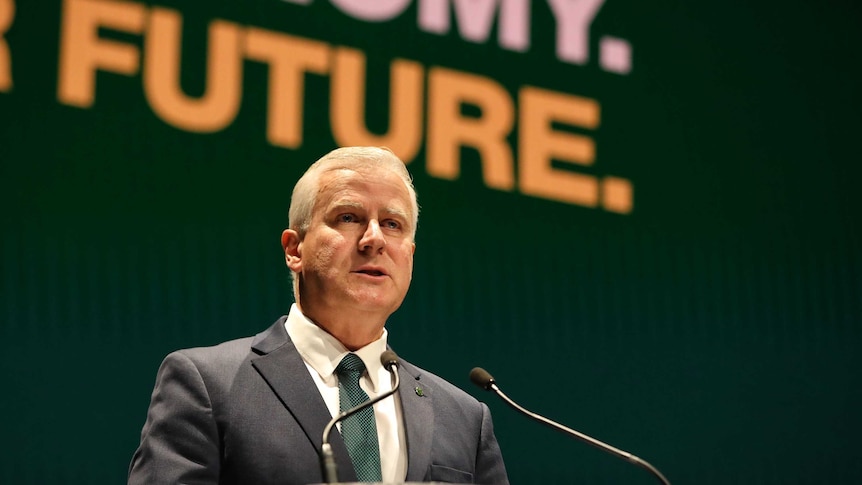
(371, 272)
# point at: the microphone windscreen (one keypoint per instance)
(481, 378)
(388, 359)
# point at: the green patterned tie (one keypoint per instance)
(359, 431)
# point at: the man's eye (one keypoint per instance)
(390, 224)
(347, 218)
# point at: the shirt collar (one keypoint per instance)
(323, 352)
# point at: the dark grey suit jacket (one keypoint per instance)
(247, 411)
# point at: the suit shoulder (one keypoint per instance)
(226, 348)
(226, 358)
(220, 357)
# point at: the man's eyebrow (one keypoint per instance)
(396, 212)
(345, 204)
(341, 205)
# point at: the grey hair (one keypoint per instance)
(352, 158)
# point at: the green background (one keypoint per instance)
(714, 331)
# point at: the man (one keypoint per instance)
(253, 410)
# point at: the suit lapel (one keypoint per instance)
(283, 369)
(416, 404)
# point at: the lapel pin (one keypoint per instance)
(419, 391)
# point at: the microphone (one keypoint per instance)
(483, 379)
(327, 459)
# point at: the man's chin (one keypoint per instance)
(375, 302)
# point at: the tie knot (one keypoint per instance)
(350, 364)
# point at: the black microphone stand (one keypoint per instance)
(483, 379)
(327, 458)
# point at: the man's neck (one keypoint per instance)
(353, 329)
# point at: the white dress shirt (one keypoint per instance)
(322, 353)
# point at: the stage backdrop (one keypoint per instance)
(642, 217)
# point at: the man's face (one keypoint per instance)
(357, 254)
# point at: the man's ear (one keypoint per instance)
(291, 244)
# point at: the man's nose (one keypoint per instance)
(373, 239)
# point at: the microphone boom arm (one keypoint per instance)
(483, 379)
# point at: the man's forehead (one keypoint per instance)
(348, 188)
(337, 179)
